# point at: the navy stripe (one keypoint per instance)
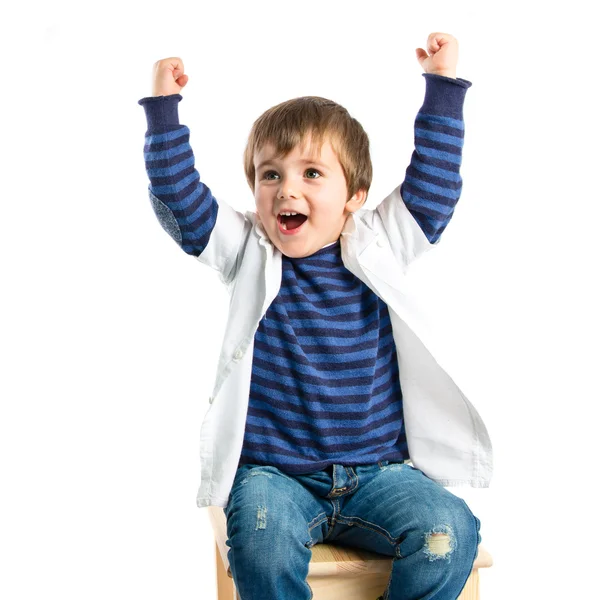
(298, 413)
(452, 182)
(453, 126)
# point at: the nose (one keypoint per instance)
(287, 189)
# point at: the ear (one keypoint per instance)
(356, 201)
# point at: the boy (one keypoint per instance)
(324, 389)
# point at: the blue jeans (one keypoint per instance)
(273, 520)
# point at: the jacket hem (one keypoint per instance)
(474, 483)
(204, 502)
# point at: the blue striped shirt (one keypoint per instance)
(325, 384)
(325, 381)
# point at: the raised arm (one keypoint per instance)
(433, 184)
(184, 205)
(415, 214)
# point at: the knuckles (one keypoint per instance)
(164, 61)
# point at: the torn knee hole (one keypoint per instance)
(439, 543)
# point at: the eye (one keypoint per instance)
(270, 175)
(312, 173)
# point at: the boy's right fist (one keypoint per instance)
(168, 77)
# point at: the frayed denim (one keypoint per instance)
(273, 519)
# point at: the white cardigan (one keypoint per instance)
(446, 437)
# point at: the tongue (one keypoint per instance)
(295, 221)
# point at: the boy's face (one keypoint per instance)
(312, 185)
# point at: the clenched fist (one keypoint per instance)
(442, 57)
(168, 77)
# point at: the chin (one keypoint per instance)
(292, 254)
(295, 253)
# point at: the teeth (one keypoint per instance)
(284, 226)
(288, 214)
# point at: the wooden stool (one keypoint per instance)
(334, 571)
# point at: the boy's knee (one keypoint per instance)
(438, 544)
(454, 524)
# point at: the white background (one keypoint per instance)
(110, 333)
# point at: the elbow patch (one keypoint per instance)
(166, 218)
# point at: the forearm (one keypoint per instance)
(433, 183)
(183, 204)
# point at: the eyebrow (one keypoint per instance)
(305, 161)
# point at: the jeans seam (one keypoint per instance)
(348, 473)
(322, 518)
(353, 478)
(374, 527)
(333, 517)
(333, 474)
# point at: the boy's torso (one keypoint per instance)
(446, 437)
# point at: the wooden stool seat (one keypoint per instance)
(334, 571)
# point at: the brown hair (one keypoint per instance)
(289, 123)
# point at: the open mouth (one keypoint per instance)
(291, 223)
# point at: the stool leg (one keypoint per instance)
(471, 589)
(225, 589)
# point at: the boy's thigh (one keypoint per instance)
(263, 498)
(398, 502)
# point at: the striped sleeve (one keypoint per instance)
(433, 184)
(184, 206)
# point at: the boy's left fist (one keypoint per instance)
(442, 57)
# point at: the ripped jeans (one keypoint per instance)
(273, 520)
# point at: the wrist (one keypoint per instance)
(451, 73)
(164, 90)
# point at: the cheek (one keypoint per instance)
(263, 207)
(332, 205)
(260, 201)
